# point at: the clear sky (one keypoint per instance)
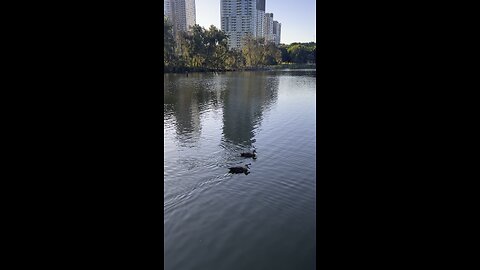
(296, 16)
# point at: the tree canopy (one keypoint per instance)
(299, 52)
(201, 48)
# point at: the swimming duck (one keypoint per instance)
(240, 169)
(249, 155)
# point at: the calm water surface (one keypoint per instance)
(214, 220)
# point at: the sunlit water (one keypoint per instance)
(214, 220)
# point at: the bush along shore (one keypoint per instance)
(202, 50)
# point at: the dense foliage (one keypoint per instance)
(299, 52)
(207, 49)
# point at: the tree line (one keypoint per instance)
(203, 49)
(299, 52)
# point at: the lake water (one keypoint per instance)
(214, 220)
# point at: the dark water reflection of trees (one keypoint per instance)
(243, 97)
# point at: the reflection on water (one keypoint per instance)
(243, 96)
(245, 99)
(216, 220)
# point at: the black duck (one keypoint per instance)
(249, 155)
(240, 169)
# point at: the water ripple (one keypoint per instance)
(217, 220)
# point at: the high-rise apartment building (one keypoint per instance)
(238, 19)
(277, 29)
(260, 17)
(181, 13)
(268, 27)
(168, 9)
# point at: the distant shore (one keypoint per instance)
(260, 68)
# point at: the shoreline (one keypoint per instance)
(261, 68)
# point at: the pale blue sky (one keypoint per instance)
(296, 16)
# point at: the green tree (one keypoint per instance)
(192, 46)
(253, 51)
(272, 55)
(168, 43)
(302, 52)
(216, 48)
(285, 55)
(234, 59)
(208, 49)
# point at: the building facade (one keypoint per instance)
(238, 18)
(168, 10)
(277, 30)
(181, 14)
(260, 17)
(268, 28)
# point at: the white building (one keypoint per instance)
(168, 9)
(181, 13)
(238, 19)
(268, 27)
(260, 17)
(277, 29)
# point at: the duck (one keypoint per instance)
(249, 155)
(240, 169)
